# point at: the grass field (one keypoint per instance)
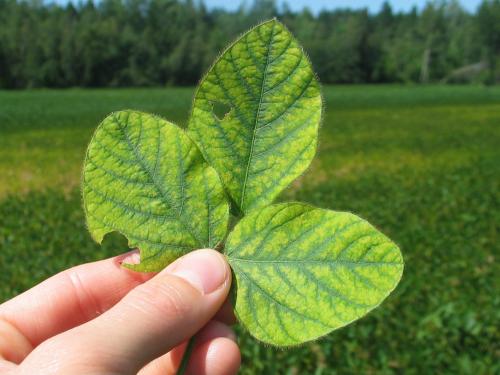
(421, 163)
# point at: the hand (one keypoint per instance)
(100, 318)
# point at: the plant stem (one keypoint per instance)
(186, 356)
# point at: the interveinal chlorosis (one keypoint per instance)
(302, 272)
(145, 178)
(268, 137)
(299, 271)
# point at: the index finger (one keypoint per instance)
(71, 297)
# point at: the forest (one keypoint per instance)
(124, 43)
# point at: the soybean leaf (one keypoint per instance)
(145, 178)
(268, 136)
(301, 272)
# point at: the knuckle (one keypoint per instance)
(88, 305)
(14, 345)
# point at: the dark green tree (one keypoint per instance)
(172, 42)
(488, 19)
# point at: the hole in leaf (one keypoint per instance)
(220, 109)
(115, 241)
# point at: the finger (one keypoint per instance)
(13, 345)
(70, 298)
(151, 320)
(226, 313)
(215, 337)
(219, 356)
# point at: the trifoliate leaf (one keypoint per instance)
(145, 178)
(301, 272)
(268, 136)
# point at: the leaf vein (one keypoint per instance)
(249, 159)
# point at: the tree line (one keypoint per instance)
(172, 42)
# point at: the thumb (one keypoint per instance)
(151, 320)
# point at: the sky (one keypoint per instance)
(317, 5)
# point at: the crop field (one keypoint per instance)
(422, 163)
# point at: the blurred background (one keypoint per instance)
(410, 141)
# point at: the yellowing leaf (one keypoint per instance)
(268, 136)
(301, 272)
(145, 178)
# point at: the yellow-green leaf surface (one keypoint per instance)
(268, 136)
(301, 272)
(145, 178)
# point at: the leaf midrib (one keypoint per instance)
(264, 77)
(153, 179)
(315, 261)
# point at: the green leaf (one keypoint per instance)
(301, 272)
(145, 178)
(267, 138)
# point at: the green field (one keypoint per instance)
(422, 163)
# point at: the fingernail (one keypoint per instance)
(132, 257)
(204, 269)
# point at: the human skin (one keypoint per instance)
(100, 318)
